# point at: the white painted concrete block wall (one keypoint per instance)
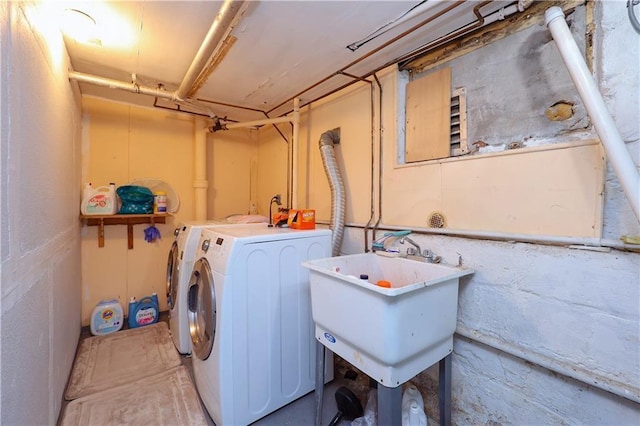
(617, 68)
(511, 82)
(40, 304)
(569, 310)
(566, 309)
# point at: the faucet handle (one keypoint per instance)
(411, 251)
(431, 256)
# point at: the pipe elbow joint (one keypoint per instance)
(330, 138)
(553, 13)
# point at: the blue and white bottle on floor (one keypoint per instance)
(143, 312)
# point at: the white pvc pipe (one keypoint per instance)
(617, 152)
(222, 24)
(500, 15)
(121, 85)
(200, 183)
(257, 122)
(225, 20)
(293, 146)
(294, 156)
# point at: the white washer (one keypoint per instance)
(249, 310)
(179, 264)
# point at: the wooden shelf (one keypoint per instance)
(121, 219)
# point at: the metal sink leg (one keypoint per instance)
(319, 391)
(389, 405)
(444, 390)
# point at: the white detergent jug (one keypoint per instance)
(99, 201)
(413, 407)
(107, 317)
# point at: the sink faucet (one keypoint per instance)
(412, 251)
(379, 243)
(416, 251)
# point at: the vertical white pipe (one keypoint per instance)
(294, 159)
(614, 146)
(200, 183)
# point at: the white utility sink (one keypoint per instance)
(390, 334)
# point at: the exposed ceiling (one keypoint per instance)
(283, 49)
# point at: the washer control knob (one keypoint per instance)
(205, 245)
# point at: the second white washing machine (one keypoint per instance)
(179, 264)
(249, 309)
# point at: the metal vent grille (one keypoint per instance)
(437, 220)
(458, 138)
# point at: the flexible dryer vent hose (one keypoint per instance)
(327, 142)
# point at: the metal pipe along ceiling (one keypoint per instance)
(223, 24)
(431, 18)
(292, 181)
(480, 22)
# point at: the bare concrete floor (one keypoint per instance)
(301, 412)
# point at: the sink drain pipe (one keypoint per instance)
(617, 153)
(327, 142)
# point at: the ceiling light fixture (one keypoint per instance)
(80, 26)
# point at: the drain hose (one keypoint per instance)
(327, 142)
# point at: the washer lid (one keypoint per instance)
(202, 309)
(172, 275)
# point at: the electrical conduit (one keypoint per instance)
(614, 146)
(327, 141)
